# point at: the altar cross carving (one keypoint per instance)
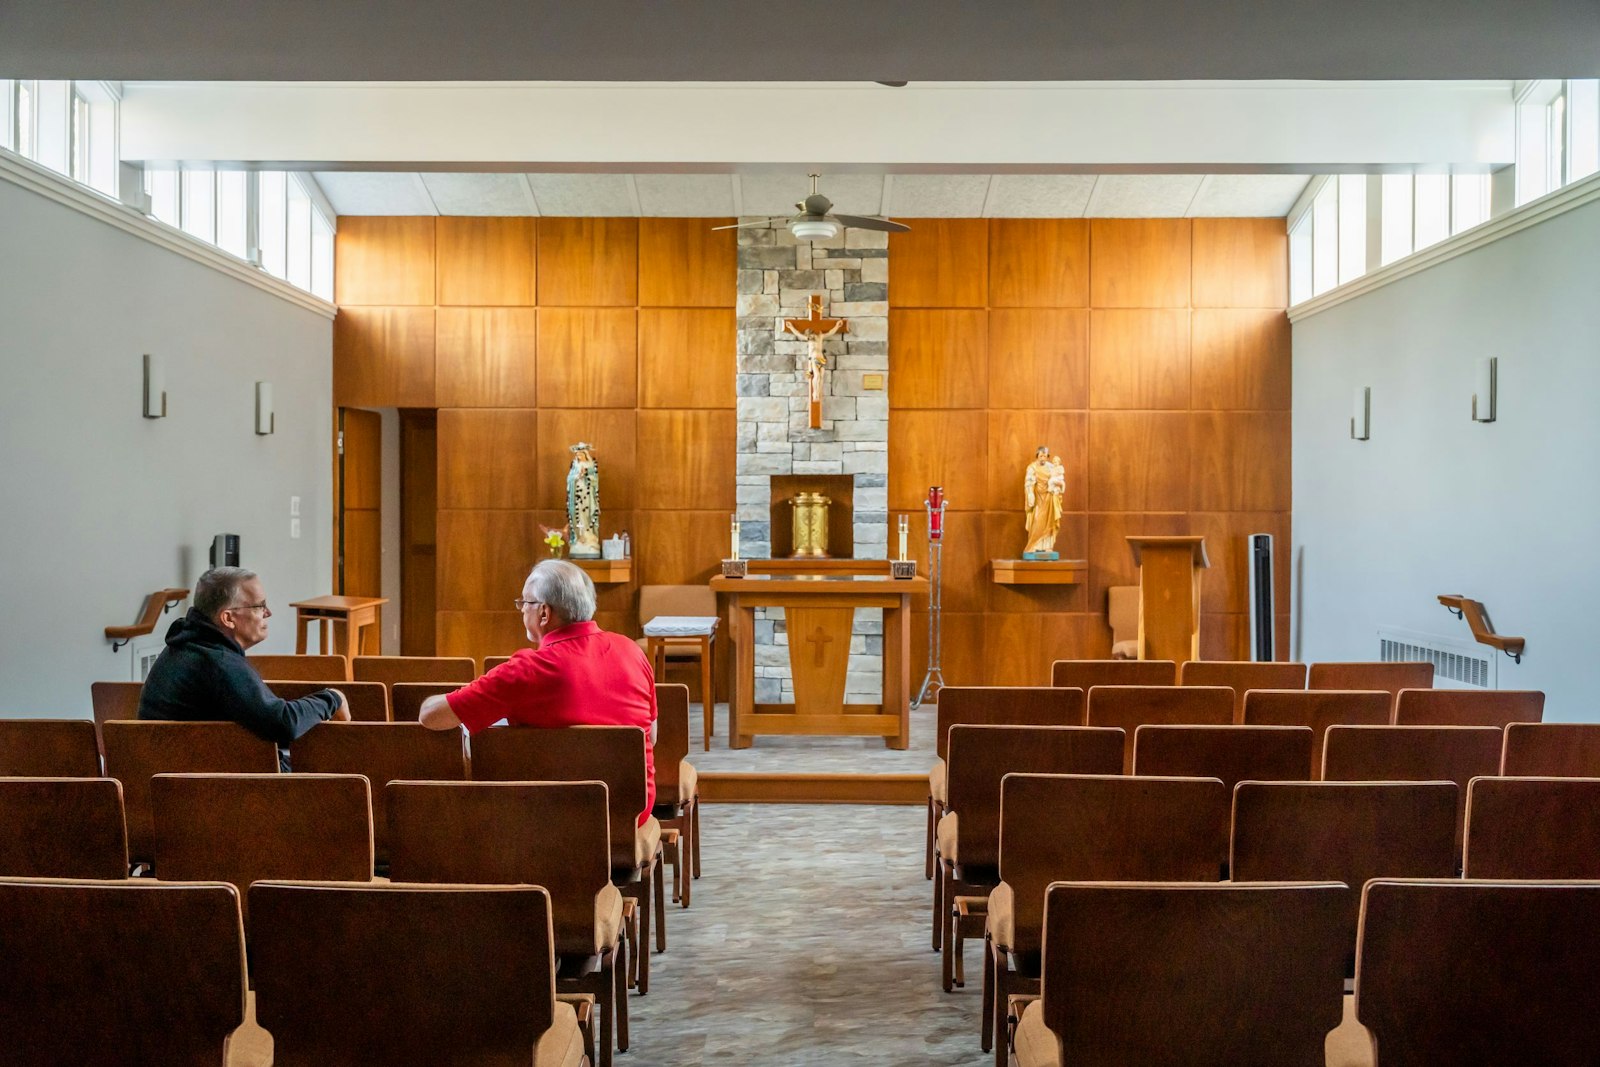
(814, 330)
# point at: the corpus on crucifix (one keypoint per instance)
(814, 330)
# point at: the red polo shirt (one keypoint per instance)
(580, 675)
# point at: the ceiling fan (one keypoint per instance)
(817, 222)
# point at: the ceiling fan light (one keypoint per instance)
(814, 229)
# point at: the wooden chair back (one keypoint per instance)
(1129, 707)
(1389, 677)
(1480, 972)
(1242, 676)
(138, 750)
(1006, 705)
(1105, 828)
(1552, 750)
(1413, 754)
(392, 669)
(491, 662)
(1343, 832)
(1533, 828)
(405, 698)
(1231, 753)
(129, 972)
(115, 700)
(610, 754)
(672, 735)
(980, 758)
(62, 828)
(1085, 674)
(243, 828)
(1209, 949)
(382, 753)
(369, 701)
(49, 748)
(329, 670)
(407, 962)
(693, 600)
(1318, 709)
(553, 834)
(1468, 707)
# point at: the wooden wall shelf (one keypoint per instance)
(606, 571)
(1038, 571)
(1482, 631)
(155, 605)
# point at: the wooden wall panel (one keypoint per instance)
(1139, 263)
(1241, 263)
(612, 433)
(690, 460)
(484, 557)
(1038, 358)
(1110, 559)
(363, 557)
(687, 263)
(384, 260)
(486, 357)
(1135, 461)
(941, 263)
(588, 262)
(962, 654)
(679, 547)
(383, 357)
(1226, 584)
(1038, 263)
(361, 481)
(938, 359)
(1224, 636)
(1240, 359)
(1240, 461)
(419, 546)
(488, 458)
(588, 358)
(686, 358)
(966, 555)
(1014, 437)
(480, 633)
(486, 261)
(1139, 358)
(1018, 649)
(1007, 534)
(937, 448)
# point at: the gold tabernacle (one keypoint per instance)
(810, 525)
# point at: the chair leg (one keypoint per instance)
(660, 879)
(686, 850)
(938, 911)
(987, 1016)
(708, 691)
(619, 986)
(927, 861)
(644, 934)
(630, 938)
(695, 834)
(605, 1003)
(1002, 995)
(947, 961)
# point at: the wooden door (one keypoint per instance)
(419, 435)
(360, 549)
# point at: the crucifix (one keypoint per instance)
(814, 330)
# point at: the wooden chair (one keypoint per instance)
(1533, 828)
(684, 601)
(243, 828)
(62, 828)
(1552, 750)
(137, 973)
(556, 835)
(491, 662)
(1085, 674)
(369, 701)
(1087, 828)
(1215, 953)
(1346, 832)
(677, 789)
(383, 753)
(1318, 709)
(405, 698)
(49, 748)
(407, 962)
(1129, 707)
(1413, 754)
(392, 669)
(969, 831)
(610, 754)
(330, 670)
(1389, 677)
(992, 705)
(1480, 973)
(1242, 676)
(1468, 707)
(137, 751)
(115, 700)
(1231, 753)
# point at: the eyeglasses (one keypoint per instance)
(262, 607)
(521, 603)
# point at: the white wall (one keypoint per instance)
(1507, 513)
(101, 506)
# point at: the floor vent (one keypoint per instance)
(1456, 664)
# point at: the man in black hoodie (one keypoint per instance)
(202, 675)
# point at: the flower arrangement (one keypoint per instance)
(555, 538)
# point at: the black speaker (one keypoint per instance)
(225, 550)
(1261, 618)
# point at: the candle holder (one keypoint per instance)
(933, 681)
(735, 568)
(902, 568)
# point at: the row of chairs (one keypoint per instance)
(369, 701)
(387, 670)
(1242, 675)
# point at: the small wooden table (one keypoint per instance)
(346, 616)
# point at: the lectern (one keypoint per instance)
(1169, 595)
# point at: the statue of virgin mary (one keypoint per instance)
(583, 503)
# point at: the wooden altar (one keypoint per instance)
(818, 611)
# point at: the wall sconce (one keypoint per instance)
(155, 389)
(266, 418)
(1484, 387)
(1361, 414)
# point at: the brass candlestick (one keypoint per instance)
(810, 525)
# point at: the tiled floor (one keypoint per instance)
(814, 755)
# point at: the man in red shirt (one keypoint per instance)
(577, 675)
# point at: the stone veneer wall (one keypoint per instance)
(777, 278)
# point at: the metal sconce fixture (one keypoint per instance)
(266, 418)
(155, 389)
(1361, 414)
(1485, 386)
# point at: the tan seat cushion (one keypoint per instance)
(1002, 916)
(607, 918)
(1125, 650)
(1351, 1044)
(937, 783)
(249, 1046)
(646, 842)
(562, 1044)
(1036, 1043)
(688, 782)
(945, 835)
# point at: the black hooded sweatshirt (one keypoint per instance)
(202, 676)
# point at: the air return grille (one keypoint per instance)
(1456, 664)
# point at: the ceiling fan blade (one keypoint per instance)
(862, 222)
(760, 222)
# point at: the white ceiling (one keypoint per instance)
(895, 195)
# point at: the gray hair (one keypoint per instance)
(563, 588)
(217, 589)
